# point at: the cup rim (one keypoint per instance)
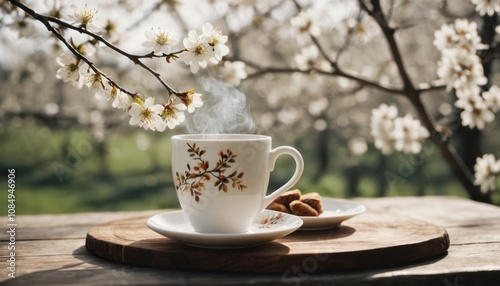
(221, 137)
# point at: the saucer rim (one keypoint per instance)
(221, 240)
(332, 220)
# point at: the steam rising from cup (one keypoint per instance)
(224, 110)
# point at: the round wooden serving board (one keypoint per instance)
(370, 240)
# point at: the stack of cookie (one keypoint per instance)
(296, 203)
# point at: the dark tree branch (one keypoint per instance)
(388, 32)
(439, 139)
(136, 59)
(337, 72)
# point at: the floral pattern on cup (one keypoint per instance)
(196, 177)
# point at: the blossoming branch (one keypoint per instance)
(199, 49)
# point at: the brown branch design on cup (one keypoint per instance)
(196, 177)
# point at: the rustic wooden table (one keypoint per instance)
(50, 250)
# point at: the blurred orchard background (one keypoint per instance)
(73, 152)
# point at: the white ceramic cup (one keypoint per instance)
(222, 179)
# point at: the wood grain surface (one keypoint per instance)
(51, 251)
(371, 240)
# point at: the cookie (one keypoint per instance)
(313, 200)
(287, 197)
(277, 207)
(302, 209)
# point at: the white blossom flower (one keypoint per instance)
(466, 97)
(445, 38)
(85, 17)
(94, 81)
(160, 40)
(216, 40)
(86, 49)
(492, 98)
(486, 169)
(462, 34)
(363, 29)
(408, 134)
(192, 101)
(198, 51)
(396, 133)
(233, 72)
(147, 114)
(70, 68)
(120, 99)
(468, 37)
(305, 21)
(461, 69)
(309, 59)
(489, 7)
(384, 113)
(173, 115)
(475, 108)
(476, 113)
(381, 127)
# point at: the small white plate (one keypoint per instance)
(267, 226)
(334, 213)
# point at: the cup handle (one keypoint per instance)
(299, 168)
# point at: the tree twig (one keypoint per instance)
(136, 59)
(337, 72)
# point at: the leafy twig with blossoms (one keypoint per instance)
(199, 50)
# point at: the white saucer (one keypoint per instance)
(267, 226)
(334, 213)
